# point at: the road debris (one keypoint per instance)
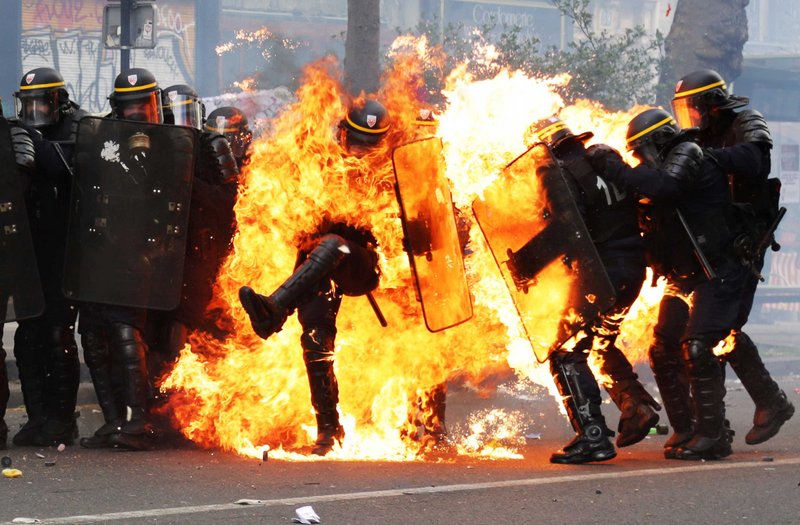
(306, 515)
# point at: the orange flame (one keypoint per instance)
(246, 394)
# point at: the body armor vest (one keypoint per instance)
(610, 213)
(669, 249)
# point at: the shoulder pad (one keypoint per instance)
(222, 160)
(683, 161)
(23, 148)
(750, 126)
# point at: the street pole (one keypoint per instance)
(125, 35)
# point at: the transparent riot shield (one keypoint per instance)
(430, 232)
(129, 213)
(542, 246)
(21, 294)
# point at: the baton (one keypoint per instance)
(698, 251)
(768, 238)
(57, 147)
(377, 309)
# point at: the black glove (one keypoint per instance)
(600, 155)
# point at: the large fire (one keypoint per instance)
(246, 394)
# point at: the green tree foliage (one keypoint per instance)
(616, 70)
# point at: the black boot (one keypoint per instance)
(61, 389)
(673, 385)
(637, 407)
(592, 443)
(29, 353)
(136, 432)
(712, 438)
(773, 409)
(267, 314)
(637, 411)
(96, 353)
(324, 398)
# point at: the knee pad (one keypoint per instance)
(95, 347)
(128, 341)
(317, 346)
(61, 337)
(662, 355)
(698, 355)
(25, 341)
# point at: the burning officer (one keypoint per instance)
(337, 259)
(610, 215)
(741, 144)
(126, 248)
(689, 239)
(18, 149)
(45, 347)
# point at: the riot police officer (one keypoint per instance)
(112, 335)
(210, 231)
(45, 347)
(689, 237)
(182, 106)
(335, 260)
(23, 149)
(740, 142)
(610, 216)
(232, 124)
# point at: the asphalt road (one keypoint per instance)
(758, 484)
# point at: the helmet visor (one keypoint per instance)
(143, 108)
(186, 110)
(687, 112)
(240, 143)
(38, 108)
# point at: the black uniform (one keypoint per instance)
(740, 143)
(45, 347)
(212, 223)
(696, 312)
(113, 335)
(25, 159)
(610, 216)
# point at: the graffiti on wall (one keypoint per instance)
(66, 35)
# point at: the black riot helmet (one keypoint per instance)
(136, 96)
(425, 124)
(650, 133)
(232, 124)
(701, 94)
(42, 97)
(182, 106)
(553, 132)
(364, 126)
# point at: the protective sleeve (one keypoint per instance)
(22, 145)
(656, 184)
(748, 158)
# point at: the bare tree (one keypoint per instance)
(705, 34)
(362, 46)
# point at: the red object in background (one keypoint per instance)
(669, 9)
